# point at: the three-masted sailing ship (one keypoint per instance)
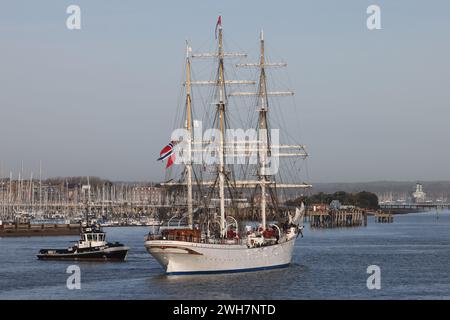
(212, 240)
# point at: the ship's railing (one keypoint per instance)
(226, 241)
(193, 239)
(172, 238)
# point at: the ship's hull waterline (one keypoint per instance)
(183, 258)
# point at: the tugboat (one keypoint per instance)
(92, 247)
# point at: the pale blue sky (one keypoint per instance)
(373, 105)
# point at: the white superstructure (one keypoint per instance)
(419, 195)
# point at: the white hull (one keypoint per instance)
(179, 257)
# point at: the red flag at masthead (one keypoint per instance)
(219, 23)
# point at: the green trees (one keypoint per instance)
(366, 199)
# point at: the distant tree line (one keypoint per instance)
(93, 181)
(363, 199)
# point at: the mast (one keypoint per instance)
(219, 83)
(22, 187)
(40, 186)
(10, 194)
(3, 190)
(88, 205)
(221, 111)
(31, 199)
(265, 149)
(263, 133)
(103, 198)
(19, 194)
(189, 129)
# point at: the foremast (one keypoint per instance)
(188, 126)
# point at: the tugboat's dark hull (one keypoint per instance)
(118, 253)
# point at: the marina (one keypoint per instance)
(63, 200)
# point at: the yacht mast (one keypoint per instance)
(10, 209)
(31, 194)
(88, 205)
(40, 186)
(3, 191)
(19, 194)
(221, 111)
(189, 129)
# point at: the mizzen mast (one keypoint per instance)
(264, 144)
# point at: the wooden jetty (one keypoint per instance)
(337, 219)
(383, 217)
(29, 230)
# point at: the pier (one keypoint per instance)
(27, 230)
(399, 208)
(383, 217)
(337, 219)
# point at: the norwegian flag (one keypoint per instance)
(219, 23)
(167, 152)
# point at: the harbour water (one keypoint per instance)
(413, 254)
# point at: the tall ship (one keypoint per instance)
(221, 180)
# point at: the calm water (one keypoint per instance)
(413, 254)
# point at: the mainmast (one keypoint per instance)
(262, 132)
(221, 113)
(189, 129)
(220, 84)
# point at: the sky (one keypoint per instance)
(100, 101)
